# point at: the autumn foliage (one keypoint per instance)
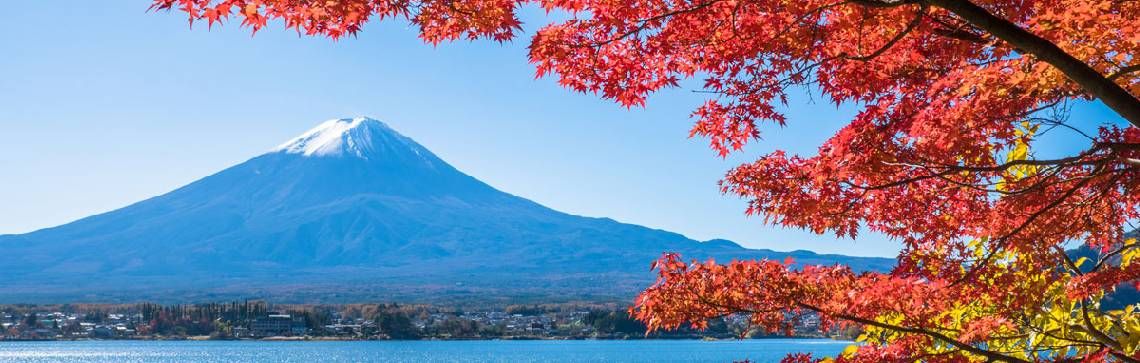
(943, 155)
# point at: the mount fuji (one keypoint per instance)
(349, 210)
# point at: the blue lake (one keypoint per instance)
(759, 350)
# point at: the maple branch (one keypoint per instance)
(1123, 71)
(1106, 257)
(642, 24)
(991, 355)
(813, 12)
(1113, 95)
(956, 31)
(1076, 341)
(948, 169)
(890, 43)
(1054, 167)
(1004, 239)
(1061, 123)
(1071, 160)
(1067, 261)
(895, 183)
(1110, 343)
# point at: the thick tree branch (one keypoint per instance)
(1112, 94)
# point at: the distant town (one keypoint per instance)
(260, 320)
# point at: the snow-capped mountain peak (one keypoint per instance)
(358, 137)
(385, 219)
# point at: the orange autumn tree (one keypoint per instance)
(954, 97)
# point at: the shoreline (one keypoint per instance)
(338, 339)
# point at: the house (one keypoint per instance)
(277, 324)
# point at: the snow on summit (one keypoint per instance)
(358, 137)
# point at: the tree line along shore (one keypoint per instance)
(382, 321)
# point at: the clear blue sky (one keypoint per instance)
(103, 104)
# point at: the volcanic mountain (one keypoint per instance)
(347, 211)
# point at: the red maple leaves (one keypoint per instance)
(438, 20)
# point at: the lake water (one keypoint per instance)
(758, 350)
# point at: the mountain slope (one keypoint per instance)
(348, 210)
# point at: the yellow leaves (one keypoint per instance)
(1129, 322)
(1001, 185)
(1059, 321)
(1065, 322)
(1017, 153)
(850, 350)
(1080, 261)
(875, 335)
(1131, 251)
(977, 247)
(1130, 343)
(1020, 152)
(1027, 129)
(1128, 255)
(892, 319)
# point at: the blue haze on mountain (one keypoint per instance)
(350, 210)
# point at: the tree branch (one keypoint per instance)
(1113, 95)
(1123, 71)
(890, 43)
(992, 356)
